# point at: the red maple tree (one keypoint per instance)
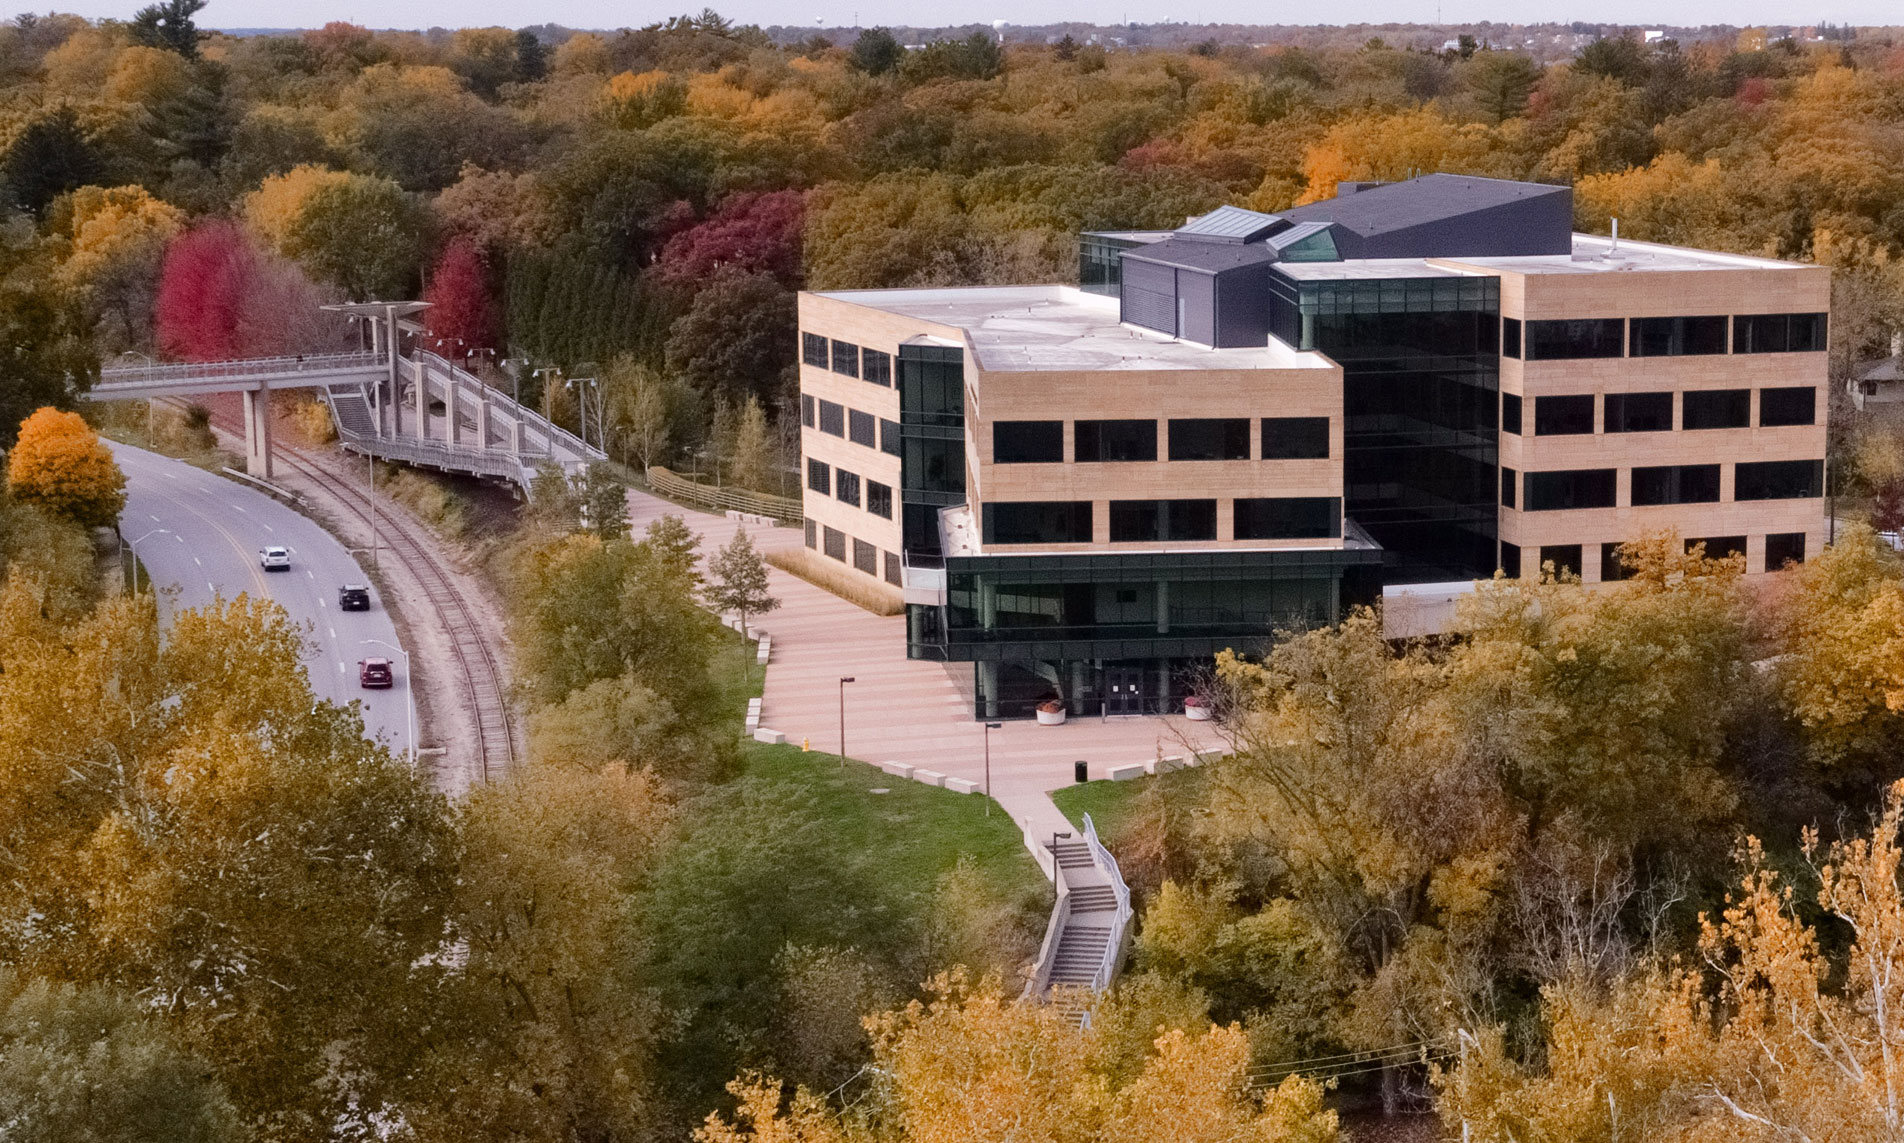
(202, 293)
(757, 233)
(462, 315)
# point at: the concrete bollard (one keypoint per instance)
(929, 777)
(770, 737)
(1126, 773)
(961, 786)
(896, 769)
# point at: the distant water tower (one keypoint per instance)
(999, 26)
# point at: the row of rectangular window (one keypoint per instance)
(1781, 548)
(1161, 521)
(844, 486)
(866, 557)
(845, 358)
(1662, 484)
(851, 424)
(1572, 414)
(1193, 438)
(1576, 338)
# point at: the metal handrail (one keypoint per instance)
(1114, 947)
(550, 430)
(244, 367)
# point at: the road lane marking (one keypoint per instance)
(241, 508)
(268, 527)
(320, 601)
(199, 562)
(179, 538)
(213, 586)
(155, 519)
(333, 632)
(340, 668)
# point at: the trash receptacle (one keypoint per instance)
(1081, 771)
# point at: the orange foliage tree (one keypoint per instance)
(60, 464)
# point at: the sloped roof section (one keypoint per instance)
(1447, 216)
(1230, 224)
(1206, 256)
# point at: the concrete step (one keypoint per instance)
(1093, 898)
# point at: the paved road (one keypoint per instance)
(200, 534)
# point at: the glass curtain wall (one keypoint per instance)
(1421, 376)
(931, 440)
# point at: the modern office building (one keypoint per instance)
(1257, 420)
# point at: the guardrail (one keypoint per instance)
(245, 367)
(551, 432)
(781, 508)
(274, 489)
(479, 462)
(1114, 947)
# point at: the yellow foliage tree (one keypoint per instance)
(274, 209)
(1842, 631)
(61, 465)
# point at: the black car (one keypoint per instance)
(353, 597)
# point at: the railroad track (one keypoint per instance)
(496, 740)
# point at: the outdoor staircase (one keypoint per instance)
(1084, 942)
(351, 410)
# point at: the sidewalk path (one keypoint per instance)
(902, 710)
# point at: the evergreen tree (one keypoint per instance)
(738, 580)
(168, 25)
(607, 501)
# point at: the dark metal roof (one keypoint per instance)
(1419, 202)
(1208, 257)
(1231, 224)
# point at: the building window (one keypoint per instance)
(1027, 442)
(889, 437)
(1511, 413)
(1778, 333)
(1797, 405)
(806, 410)
(1508, 482)
(1612, 568)
(1676, 484)
(846, 358)
(812, 531)
(1134, 521)
(835, 545)
(832, 418)
(1716, 409)
(1289, 518)
(1510, 559)
(1573, 339)
(813, 349)
(846, 487)
(1570, 488)
(1783, 548)
(1037, 522)
(895, 572)
(860, 428)
(1561, 416)
(819, 476)
(879, 499)
(1778, 479)
(1295, 438)
(1116, 440)
(1209, 438)
(875, 366)
(865, 557)
(1564, 557)
(1719, 547)
(1639, 412)
(1677, 336)
(1510, 337)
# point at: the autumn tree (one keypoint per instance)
(606, 499)
(756, 233)
(114, 245)
(361, 233)
(737, 580)
(736, 337)
(50, 360)
(48, 157)
(60, 464)
(462, 315)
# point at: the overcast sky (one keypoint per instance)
(867, 13)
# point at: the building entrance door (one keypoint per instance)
(1123, 690)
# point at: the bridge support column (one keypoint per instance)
(452, 432)
(258, 432)
(482, 418)
(422, 399)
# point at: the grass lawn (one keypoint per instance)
(1109, 803)
(918, 831)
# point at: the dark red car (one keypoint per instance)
(375, 673)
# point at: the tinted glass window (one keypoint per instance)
(806, 410)
(1783, 548)
(1564, 557)
(860, 428)
(813, 349)
(846, 486)
(879, 499)
(1116, 440)
(1778, 333)
(1158, 520)
(1576, 488)
(1718, 547)
(1511, 413)
(875, 366)
(1586, 337)
(1038, 522)
(835, 543)
(1509, 479)
(1677, 336)
(1510, 558)
(1796, 405)
(1639, 412)
(1027, 442)
(1510, 337)
(865, 557)
(889, 437)
(832, 418)
(1611, 567)
(846, 358)
(1209, 439)
(1295, 438)
(1559, 416)
(819, 476)
(1778, 480)
(1717, 409)
(893, 574)
(1676, 484)
(1289, 518)
(813, 533)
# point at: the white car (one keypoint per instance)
(274, 559)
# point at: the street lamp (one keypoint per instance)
(134, 545)
(409, 692)
(989, 727)
(844, 679)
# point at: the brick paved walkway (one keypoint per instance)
(904, 711)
